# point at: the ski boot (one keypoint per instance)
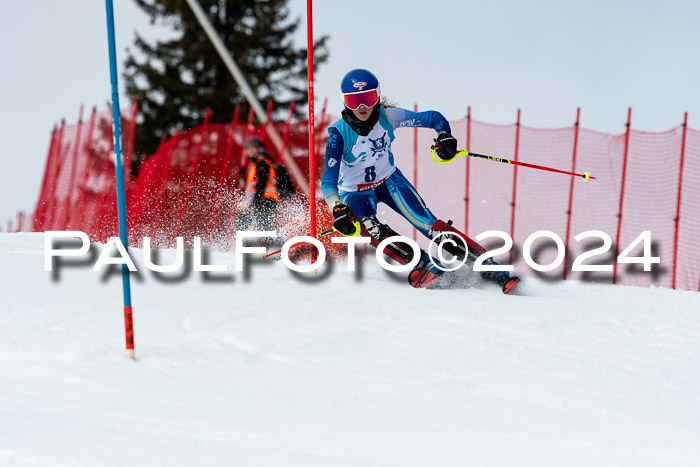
(472, 251)
(508, 284)
(423, 274)
(502, 279)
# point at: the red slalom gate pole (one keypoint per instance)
(678, 203)
(571, 193)
(622, 193)
(312, 155)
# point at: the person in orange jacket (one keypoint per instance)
(260, 185)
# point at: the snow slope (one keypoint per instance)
(340, 369)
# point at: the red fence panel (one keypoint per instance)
(688, 268)
(650, 202)
(542, 200)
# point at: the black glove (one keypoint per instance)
(446, 145)
(345, 222)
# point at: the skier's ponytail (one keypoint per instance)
(387, 103)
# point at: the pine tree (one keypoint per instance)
(177, 79)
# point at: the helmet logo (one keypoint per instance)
(360, 85)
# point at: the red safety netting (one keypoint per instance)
(78, 188)
(649, 201)
(688, 266)
(187, 188)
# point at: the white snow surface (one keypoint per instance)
(276, 368)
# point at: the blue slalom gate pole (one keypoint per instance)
(121, 198)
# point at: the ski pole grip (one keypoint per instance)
(436, 158)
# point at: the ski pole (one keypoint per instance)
(319, 235)
(464, 152)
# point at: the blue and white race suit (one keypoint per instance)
(360, 170)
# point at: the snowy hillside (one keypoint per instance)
(340, 369)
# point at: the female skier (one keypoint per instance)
(360, 172)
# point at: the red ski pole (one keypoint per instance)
(464, 152)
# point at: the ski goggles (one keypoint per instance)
(366, 98)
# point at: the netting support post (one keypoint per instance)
(415, 163)
(466, 172)
(51, 188)
(224, 173)
(287, 130)
(676, 219)
(101, 219)
(129, 161)
(569, 211)
(622, 194)
(86, 171)
(193, 171)
(164, 176)
(515, 185)
(68, 211)
(40, 210)
(132, 130)
(246, 134)
(268, 118)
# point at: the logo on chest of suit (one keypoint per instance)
(379, 146)
(373, 146)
